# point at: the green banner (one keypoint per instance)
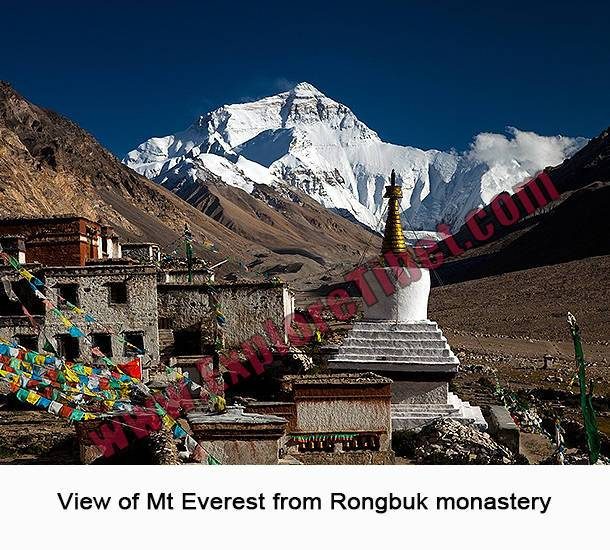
(586, 403)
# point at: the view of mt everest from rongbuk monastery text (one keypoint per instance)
(304, 139)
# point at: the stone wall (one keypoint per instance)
(244, 451)
(245, 306)
(337, 415)
(177, 312)
(138, 314)
(17, 327)
(174, 276)
(13, 321)
(235, 437)
(143, 253)
(421, 391)
(185, 308)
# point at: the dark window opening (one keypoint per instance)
(28, 341)
(8, 307)
(103, 342)
(187, 342)
(14, 295)
(135, 339)
(165, 323)
(118, 293)
(69, 292)
(68, 347)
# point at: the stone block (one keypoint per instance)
(503, 428)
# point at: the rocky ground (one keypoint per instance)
(36, 437)
(448, 441)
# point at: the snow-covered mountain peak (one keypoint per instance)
(304, 89)
(304, 139)
(303, 107)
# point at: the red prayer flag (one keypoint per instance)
(65, 411)
(133, 368)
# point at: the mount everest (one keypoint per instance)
(303, 139)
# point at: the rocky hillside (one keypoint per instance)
(50, 166)
(574, 227)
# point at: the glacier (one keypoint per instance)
(303, 139)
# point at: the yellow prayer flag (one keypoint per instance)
(66, 322)
(168, 421)
(32, 398)
(10, 376)
(71, 375)
(87, 391)
(25, 273)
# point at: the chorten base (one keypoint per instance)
(413, 416)
(401, 347)
(417, 357)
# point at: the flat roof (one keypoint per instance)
(46, 219)
(262, 284)
(336, 378)
(234, 415)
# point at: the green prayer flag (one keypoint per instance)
(48, 347)
(586, 403)
(107, 361)
(14, 263)
(22, 394)
(77, 415)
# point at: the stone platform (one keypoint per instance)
(412, 416)
(408, 346)
(417, 357)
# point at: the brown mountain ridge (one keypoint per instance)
(50, 166)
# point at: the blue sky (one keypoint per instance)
(427, 74)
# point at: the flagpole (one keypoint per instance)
(188, 244)
(586, 404)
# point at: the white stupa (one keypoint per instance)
(395, 338)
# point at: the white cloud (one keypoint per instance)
(527, 150)
(282, 84)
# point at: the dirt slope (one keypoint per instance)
(50, 166)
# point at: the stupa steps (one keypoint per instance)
(403, 344)
(398, 335)
(424, 407)
(389, 326)
(408, 416)
(425, 415)
(378, 351)
(362, 362)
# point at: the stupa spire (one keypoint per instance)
(393, 237)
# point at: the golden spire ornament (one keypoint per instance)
(393, 237)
